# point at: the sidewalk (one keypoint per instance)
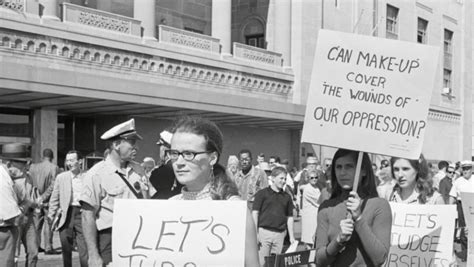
(50, 260)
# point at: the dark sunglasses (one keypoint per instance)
(311, 178)
(466, 168)
(450, 172)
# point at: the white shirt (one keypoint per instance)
(462, 185)
(76, 188)
(437, 178)
(8, 199)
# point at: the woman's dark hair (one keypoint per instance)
(366, 188)
(222, 187)
(424, 181)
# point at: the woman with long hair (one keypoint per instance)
(353, 227)
(414, 182)
(195, 150)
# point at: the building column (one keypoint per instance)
(145, 11)
(282, 33)
(221, 23)
(45, 133)
(50, 9)
(295, 148)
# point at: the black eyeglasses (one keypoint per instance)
(450, 172)
(187, 155)
(311, 178)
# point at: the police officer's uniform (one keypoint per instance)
(104, 183)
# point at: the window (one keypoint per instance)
(448, 40)
(392, 22)
(447, 79)
(448, 58)
(421, 33)
(15, 123)
(257, 40)
(448, 49)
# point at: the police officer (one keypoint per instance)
(113, 178)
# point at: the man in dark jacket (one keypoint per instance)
(163, 178)
(43, 175)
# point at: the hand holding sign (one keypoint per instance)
(347, 227)
(354, 204)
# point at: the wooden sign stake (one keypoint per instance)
(357, 174)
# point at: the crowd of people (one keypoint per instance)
(346, 226)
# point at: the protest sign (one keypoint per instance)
(422, 235)
(468, 210)
(178, 233)
(370, 94)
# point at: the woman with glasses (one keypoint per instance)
(314, 193)
(195, 150)
(414, 182)
(353, 227)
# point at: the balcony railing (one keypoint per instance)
(188, 39)
(29, 7)
(100, 19)
(17, 5)
(257, 55)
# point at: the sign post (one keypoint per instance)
(178, 233)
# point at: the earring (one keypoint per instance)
(212, 172)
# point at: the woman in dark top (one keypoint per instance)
(353, 227)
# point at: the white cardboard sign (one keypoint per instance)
(422, 235)
(370, 94)
(178, 233)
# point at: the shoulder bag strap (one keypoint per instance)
(139, 195)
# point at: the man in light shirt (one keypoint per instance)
(465, 183)
(111, 179)
(9, 210)
(65, 210)
(14, 203)
(249, 180)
